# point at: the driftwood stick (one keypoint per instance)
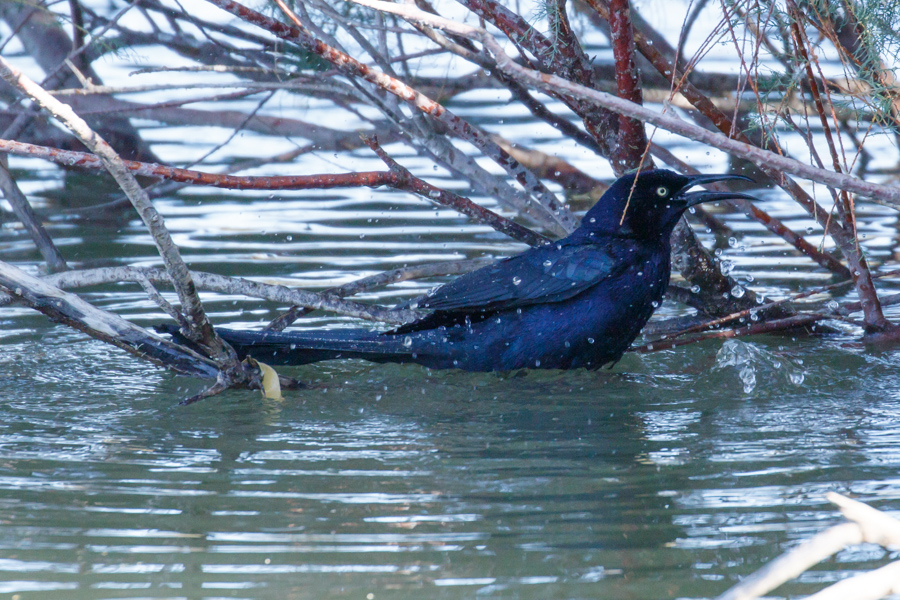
(796, 561)
(71, 310)
(842, 310)
(161, 302)
(877, 527)
(217, 388)
(868, 525)
(791, 322)
(868, 586)
(235, 285)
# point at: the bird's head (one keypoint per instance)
(648, 204)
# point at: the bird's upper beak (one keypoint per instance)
(694, 198)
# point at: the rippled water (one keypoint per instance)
(660, 479)
(671, 475)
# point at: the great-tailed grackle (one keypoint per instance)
(576, 302)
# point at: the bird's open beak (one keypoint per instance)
(694, 198)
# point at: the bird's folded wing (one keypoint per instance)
(538, 276)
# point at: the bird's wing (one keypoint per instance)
(538, 276)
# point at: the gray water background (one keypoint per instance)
(671, 475)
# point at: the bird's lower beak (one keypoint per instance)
(694, 198)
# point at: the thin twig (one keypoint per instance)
(26, 215)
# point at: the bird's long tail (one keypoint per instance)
(303, 347)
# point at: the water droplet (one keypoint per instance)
(738, 292)
(654, 303)
(748, 378)
(796, 377)
(434, 194)
(591, 340)
(809, 230)
(548, 263)
(537, 363)
(516, 280)
(640, 273)
(695, 289)
(726, 266)
(833, 305)
(407, 341)
(732, 242)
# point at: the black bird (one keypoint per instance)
(576, 302)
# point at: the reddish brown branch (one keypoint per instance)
(84, 160)
(800, 43)
(398, 178)
(631, 138)
(873, 316)
(755, 329)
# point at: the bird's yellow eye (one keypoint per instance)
(662, 191)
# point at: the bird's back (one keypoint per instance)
(550, 329)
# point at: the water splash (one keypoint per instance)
(754, 363)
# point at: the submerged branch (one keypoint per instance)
(63, 307)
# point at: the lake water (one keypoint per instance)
(672, 475)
